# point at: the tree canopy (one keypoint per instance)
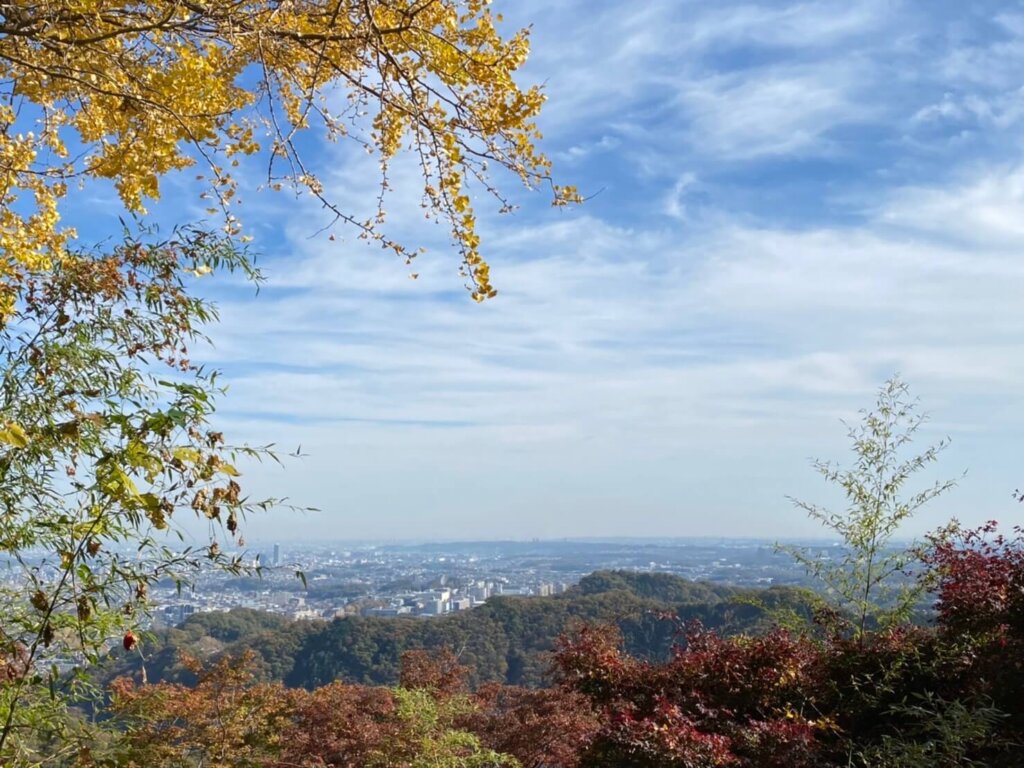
(105, 432)
(131, 91)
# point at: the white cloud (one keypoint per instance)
(743, 115)
(656, 63)
(675, 205)
(645, 369)
(613, 345)
(793, 25)
(987, 210)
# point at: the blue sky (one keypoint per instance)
(790, 202)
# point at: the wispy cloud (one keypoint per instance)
(743, 115)
(783, 225)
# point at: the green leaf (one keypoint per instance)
(150, 501)
(178, 417)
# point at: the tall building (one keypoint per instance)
(480, 592)
(277, 554)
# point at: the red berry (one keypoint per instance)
(130, 641)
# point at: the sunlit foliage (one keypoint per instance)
(866, 577)
(130, 91)
(901, 697)
(105, 438)
(229, 720)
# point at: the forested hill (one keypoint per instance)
(505, 640)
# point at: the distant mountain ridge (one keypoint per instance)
(506, 640)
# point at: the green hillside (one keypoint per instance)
(506, 640)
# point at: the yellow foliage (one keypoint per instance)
(14, 435)
(130, 91)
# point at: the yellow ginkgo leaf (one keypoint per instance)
(186, 454)
(13, 434)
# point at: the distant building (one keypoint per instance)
(434, 607)
(389, 611)
(175, 614)
(277, 554)
(479, 593)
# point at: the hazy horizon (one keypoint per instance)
(257, 544)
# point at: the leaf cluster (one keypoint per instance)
(132, 91)
(867, 575)
(107, 437)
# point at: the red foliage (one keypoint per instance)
(815, 699)
(780, 700)
(718, 701)
(980, 609)
(229, 719)
(546, 728)
(338, 725)
(437, 671)
(226, 719)
(14, 663)
(981, 581)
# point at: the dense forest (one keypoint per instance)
(507, 640)
(676, 692)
